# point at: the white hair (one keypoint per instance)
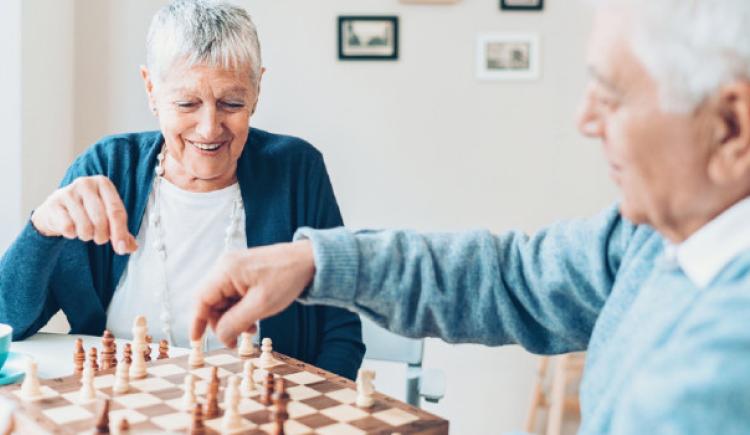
(202, 32)
(691, 47)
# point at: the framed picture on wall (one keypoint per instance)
(522, 5)
(368, 37)
(430, 2)
(509, 56)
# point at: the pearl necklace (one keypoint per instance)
(161, 248)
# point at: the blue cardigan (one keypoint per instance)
(284, 186)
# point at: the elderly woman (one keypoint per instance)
(140, 217)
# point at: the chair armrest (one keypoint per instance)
(432, 385)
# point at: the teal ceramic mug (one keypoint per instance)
(6, 336)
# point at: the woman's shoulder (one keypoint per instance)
(116, 154)
(280, 146)
(124, 145)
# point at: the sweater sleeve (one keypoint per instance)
(340, 330)
(36, 271)
(544, 292)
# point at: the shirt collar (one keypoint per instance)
(707, 251)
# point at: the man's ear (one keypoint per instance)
(730, 158)
(257, 94)
(149, 85)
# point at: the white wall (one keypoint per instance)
(417, 143)
(48, 101)
(10, 120)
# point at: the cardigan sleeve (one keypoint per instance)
(544, 292)
(36, 279)
(340, 330)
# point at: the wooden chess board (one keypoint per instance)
(321, 402)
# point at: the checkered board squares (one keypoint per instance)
(321, 402)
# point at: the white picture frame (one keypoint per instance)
(508, 56)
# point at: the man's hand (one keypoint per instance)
(89, 208)
(250, 285)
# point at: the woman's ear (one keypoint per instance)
(257, 93)
(730, 158)
(149, 85)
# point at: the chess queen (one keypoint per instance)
(141, 217)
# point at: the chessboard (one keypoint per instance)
(320, 402)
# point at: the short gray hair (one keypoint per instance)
(202, 32)
(691, 47)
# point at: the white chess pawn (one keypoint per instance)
(87, 392)
(30, 389)
(266, 357)
(365, 389)
(122, 378)
(188, 398)
(247, 387)
(196, 353)
(246, 348)
(138, 368)
(232, 420)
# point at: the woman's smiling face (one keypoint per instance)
(204, 114)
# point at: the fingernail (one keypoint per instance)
(120, 248)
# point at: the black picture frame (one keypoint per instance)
(348, 19)
(536, 7)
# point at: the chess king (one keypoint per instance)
(655, 288)
(140, 217)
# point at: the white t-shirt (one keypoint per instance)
(193, 225)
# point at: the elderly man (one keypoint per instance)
(177, 199)
(656, 289)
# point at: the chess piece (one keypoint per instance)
(87, 392)
(123, 426)
(280, 401)
(102, 422)
(122, 379)
(365, 389)
(114, 354)
(163, 349)
(92, 359)
(196, 425)
(127, 354)
(246, 348)
(232, 420)
(108, 350)
(268, 385)
(212, 397)
(247, 388)
(79, 356)
(30, 388)
(138, 366)
(147, 349)
(188, 398)
(266, 357)
(196, 353)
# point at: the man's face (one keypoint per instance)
(657, 159)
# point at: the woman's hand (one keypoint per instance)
(89, 208)
(247, 286)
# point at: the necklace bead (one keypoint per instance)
(154, 220)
